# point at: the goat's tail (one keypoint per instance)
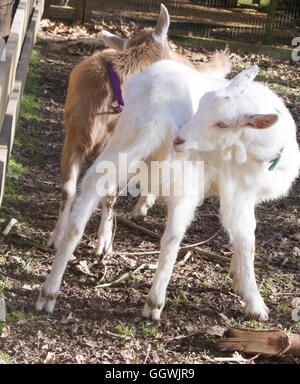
(220, 64)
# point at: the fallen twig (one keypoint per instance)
(20, 239)
(125, 275)
(194, 246)
(141, 267)
(115, 335)
(147, 355)
(236, 358)
(148, 232)
(138, 227)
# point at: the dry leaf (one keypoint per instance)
(216, 330)
(296, 236)
(296, 251)
(68, 319)
(83, 267)
(27, 287)
(50, 358)
(5, 332)
(79, 359)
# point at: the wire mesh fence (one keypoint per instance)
(255, 21)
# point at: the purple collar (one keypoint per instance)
(116, 88)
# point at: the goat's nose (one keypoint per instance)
(178, 140)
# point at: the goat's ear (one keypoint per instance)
(162, 26)
(260, 121)
(113, 41)
(241, 81)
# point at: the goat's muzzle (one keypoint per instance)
(178, 140)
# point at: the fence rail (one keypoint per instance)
(13, 71)
(6, 11)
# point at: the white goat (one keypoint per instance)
(167, 95)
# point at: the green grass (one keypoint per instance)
(160, 346)
(256, 323)
(263, 7)
(228, 279)
(126, 329)
(149, 330)
(29, 118)
(3, 261)
(204, 284)
(285, 309)
(18, 165)
(15, 171)
(4, 357)
(15, 316)
(265, 292)
(4, 284)
(12, 319)
(208, 336)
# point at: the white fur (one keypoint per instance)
(160, 103)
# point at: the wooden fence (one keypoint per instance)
(15, 58)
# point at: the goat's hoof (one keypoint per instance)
(54, 241)
(51, 242)
(257, 310)
(104, 248)
(46, 301)
(151, 313)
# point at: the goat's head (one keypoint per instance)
(223, 116)
(159, 33)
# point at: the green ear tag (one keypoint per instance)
(276, 161)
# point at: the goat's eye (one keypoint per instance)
(222, 125)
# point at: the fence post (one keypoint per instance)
(46, 14)
(82, 11)
(87, 11)
(268, 38)
(78, 11)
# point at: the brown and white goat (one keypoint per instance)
(90, 116)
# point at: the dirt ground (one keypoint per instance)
(104, 325)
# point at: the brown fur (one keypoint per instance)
(89, 117)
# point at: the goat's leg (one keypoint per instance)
(106, 226)
(92, 190)
(180, 214)
(70, 173)
(142, 206)
(240, 223)
(145, 202)
(107, 220)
